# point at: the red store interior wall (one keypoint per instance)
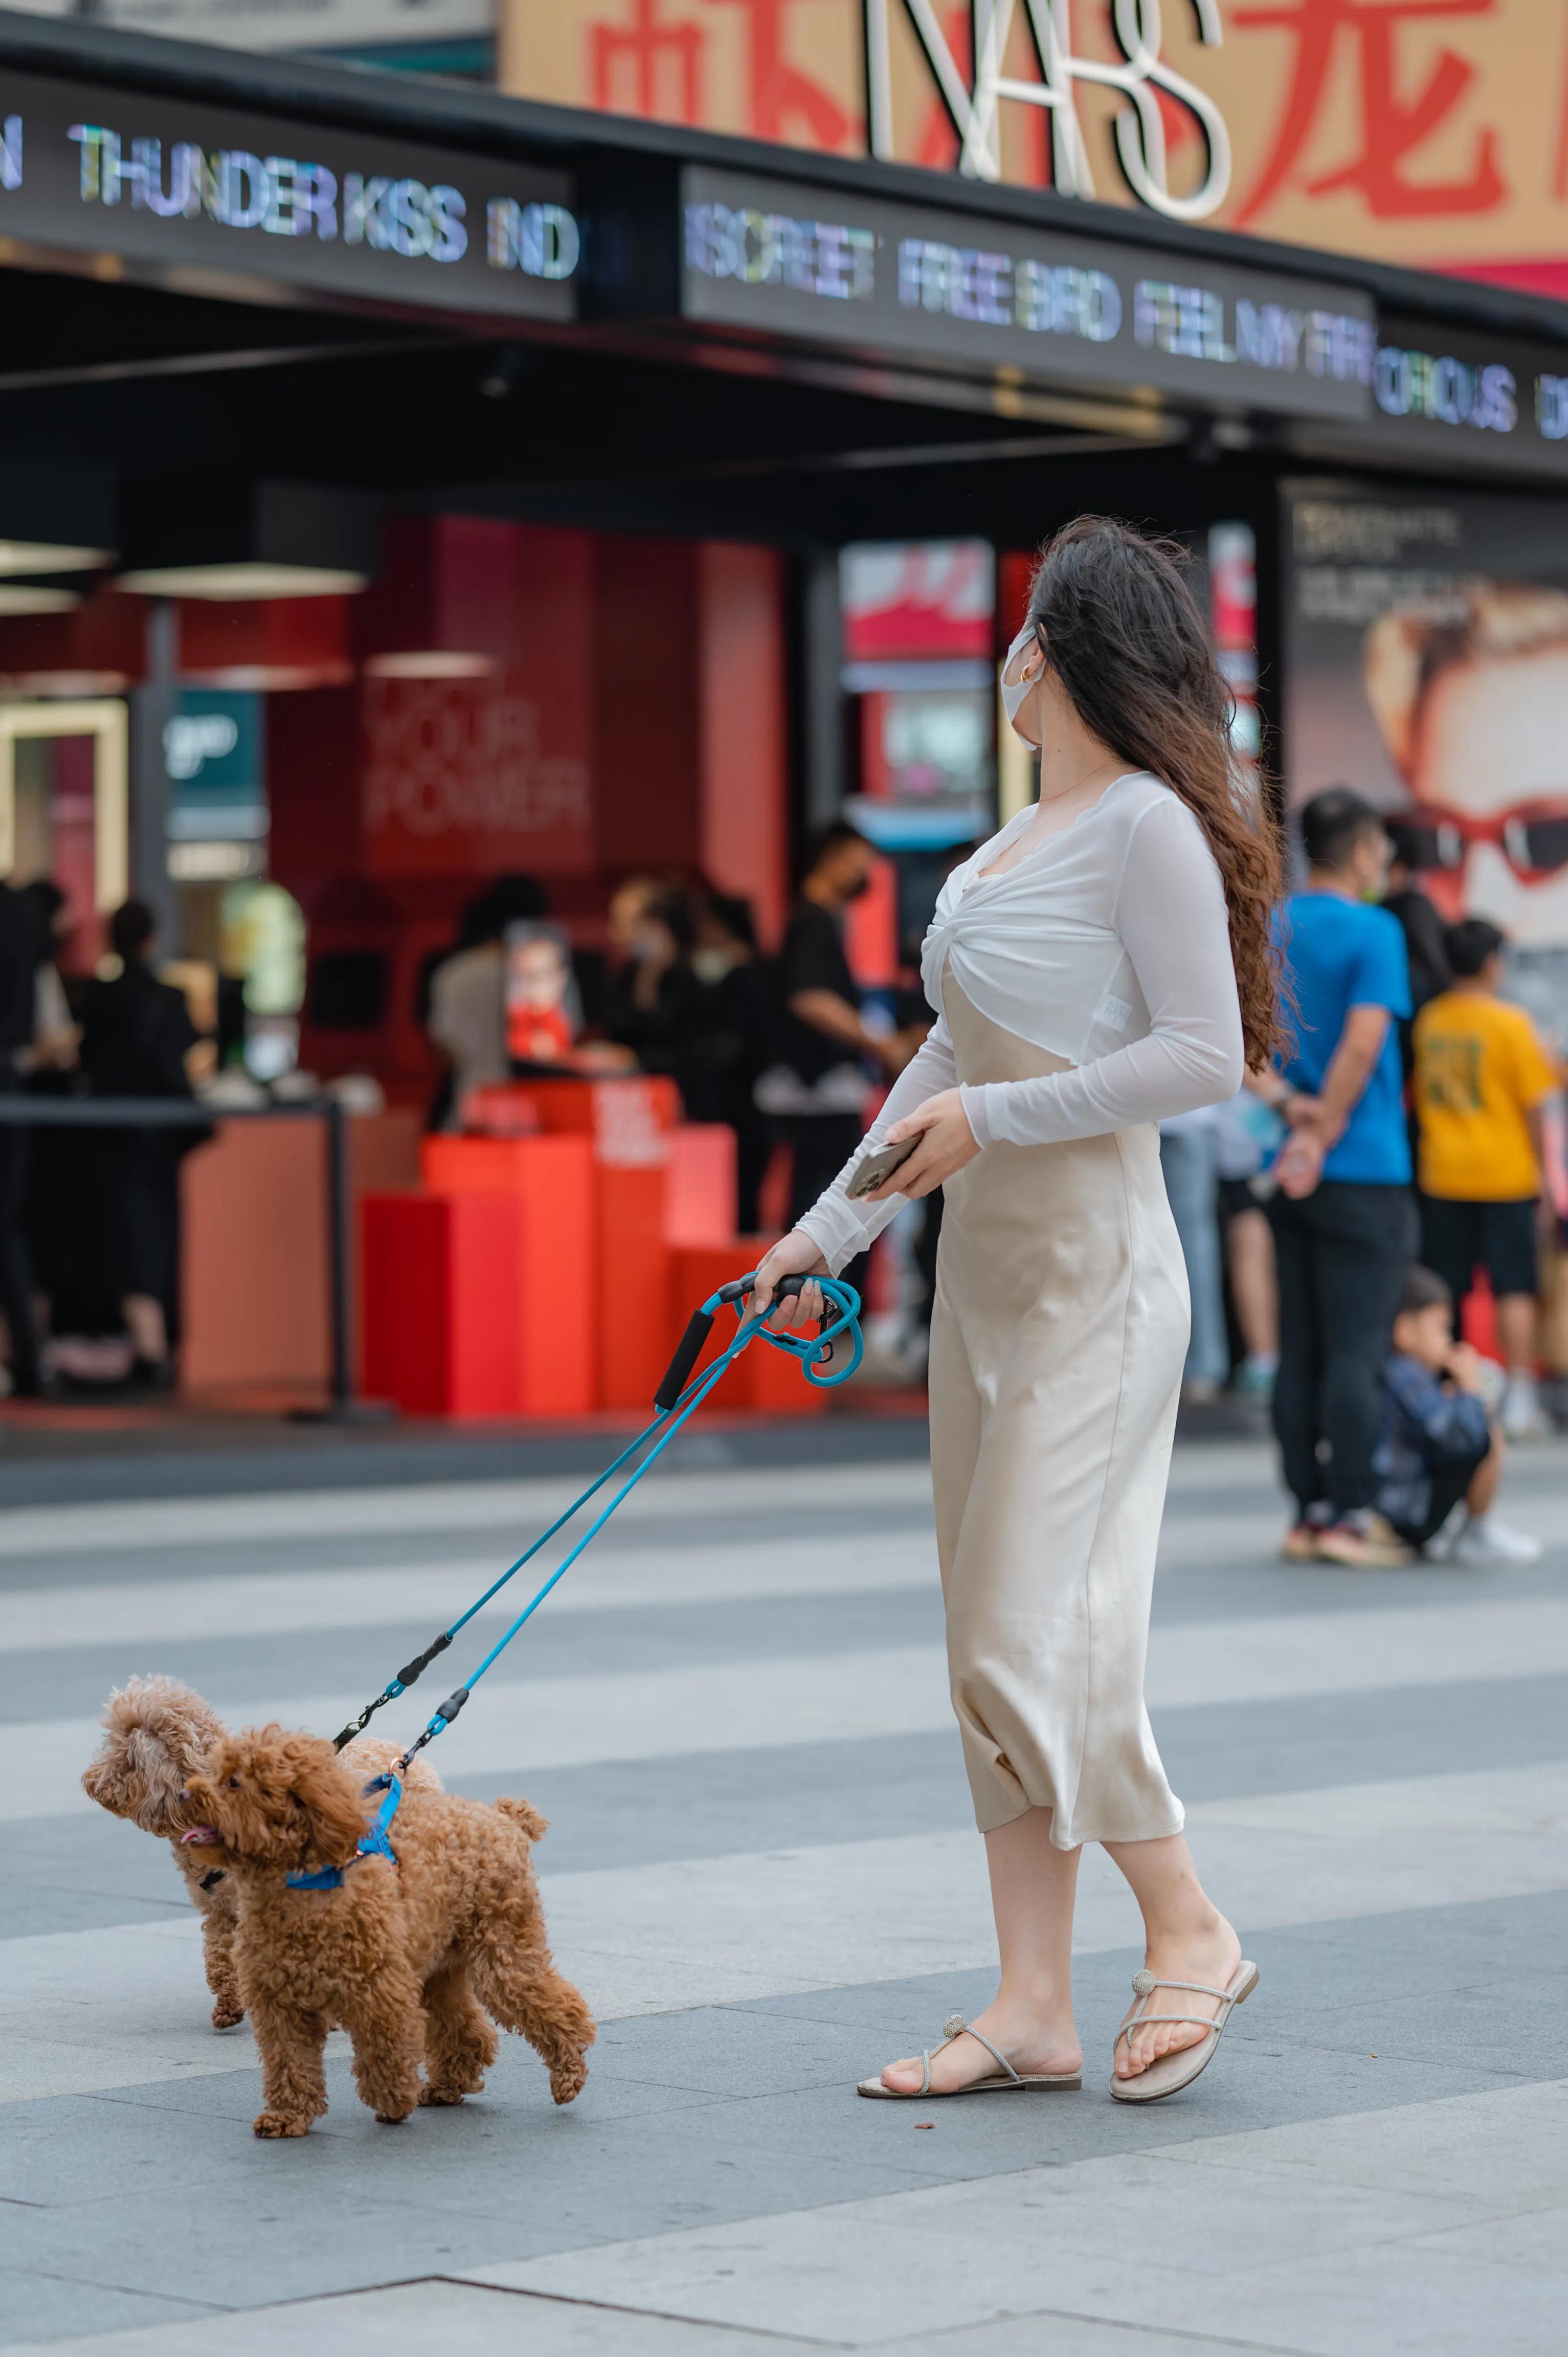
(625, 707)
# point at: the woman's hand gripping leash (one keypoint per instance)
(947, 1143)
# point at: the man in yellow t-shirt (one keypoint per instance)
(1482, 1075)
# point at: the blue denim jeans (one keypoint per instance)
(1192, 1183)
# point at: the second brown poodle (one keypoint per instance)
(412, 1958)
(157, 1732)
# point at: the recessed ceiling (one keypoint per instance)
(235, 584)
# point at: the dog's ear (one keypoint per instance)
(101, 1782)
(149, 1758)
(335, 1814)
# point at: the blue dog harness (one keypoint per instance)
(371, 1845)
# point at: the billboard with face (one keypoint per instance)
(1426, 647)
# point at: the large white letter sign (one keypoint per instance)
(975, 107)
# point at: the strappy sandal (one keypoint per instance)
(1172, 2072)
(1000, 2083)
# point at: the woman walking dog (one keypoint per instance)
(1104, 962)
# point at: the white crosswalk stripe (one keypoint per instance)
(521, 1723)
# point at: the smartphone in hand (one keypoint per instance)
(875, 1169)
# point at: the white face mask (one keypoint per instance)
(1015, 693)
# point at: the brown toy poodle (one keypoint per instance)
(411, 1957)
(157, 1732)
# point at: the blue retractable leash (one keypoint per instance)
(677, 1400)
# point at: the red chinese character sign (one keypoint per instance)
(1429, 132)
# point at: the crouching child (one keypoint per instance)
(1439, 1456)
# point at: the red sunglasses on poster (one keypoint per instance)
(1532, 837)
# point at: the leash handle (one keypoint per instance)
(688, 1351)
(700, 1325)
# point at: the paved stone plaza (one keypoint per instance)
(762, 1872)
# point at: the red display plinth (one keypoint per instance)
(634, 1285)
(549, 1183)
(439, 1286)
(699, 1206)
(626, 1126)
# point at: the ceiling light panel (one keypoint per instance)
(235, 584)
(26, 597)
(45, 556)
(429, 662)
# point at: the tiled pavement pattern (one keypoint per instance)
(761, 1870)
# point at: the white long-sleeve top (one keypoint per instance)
(1108, 945)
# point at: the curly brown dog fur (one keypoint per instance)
(410, 1958)
(157, 1733)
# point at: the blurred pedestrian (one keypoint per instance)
(56, 1034)
(1483, 1078)
(136, 1036)
(735, 1016)
(1344, 1218)
(466, 1014)
(653, 999)
(1426, 935)
(58, 1206)
(1439, 1456)
(23, 947)
(1245, 1133)
(816, 1089)
(1187, 1145)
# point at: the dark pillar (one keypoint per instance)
(820, 691)
(153, 707)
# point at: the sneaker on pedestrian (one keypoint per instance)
(1299, 1543)
(1485, 1540)
(1440, 1548)
(1364, 1541)
(1523, 1417)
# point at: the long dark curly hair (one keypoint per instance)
(1122, 631)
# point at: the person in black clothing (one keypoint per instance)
(136, 1033)
(23, 947)
(651, 1002)
(815, 1090)
(1426, 946)
(1426, 935)
(734, 1038)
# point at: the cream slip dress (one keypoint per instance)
(1086, 993)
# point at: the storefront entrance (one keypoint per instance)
(64, 803)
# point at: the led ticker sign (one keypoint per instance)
(902, 280)
(171, 187)
(1483, 398)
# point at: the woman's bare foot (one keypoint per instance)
(1033, 2043)
(1209, 1957)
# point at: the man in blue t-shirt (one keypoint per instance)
(1344, 1217)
